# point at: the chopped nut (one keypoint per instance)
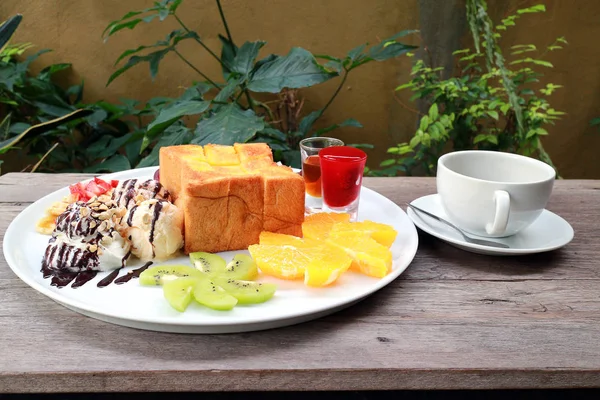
(106, 241)
(84, 211)
(93, 248)
(95, 204)
(93, 224)
(74, 223)
(103, 226)
(104, 216)
(103, 207)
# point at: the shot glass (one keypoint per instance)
(342, 169)
(311, 170)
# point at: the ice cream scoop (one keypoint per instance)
(154, 228)
(133, 191)
(86, 239)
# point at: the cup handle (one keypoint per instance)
(502, 200)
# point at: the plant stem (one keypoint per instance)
(334, 94)
(196, 69)
(265, 107)
(197, 39)
(250, 100)
(224, 22)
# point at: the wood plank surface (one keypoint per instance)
(453, 320)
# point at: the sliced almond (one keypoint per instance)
(93, 248)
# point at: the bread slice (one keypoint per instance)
(229, 194)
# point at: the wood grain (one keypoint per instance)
(454, 320)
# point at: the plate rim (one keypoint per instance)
(421, 224)
(83, 308)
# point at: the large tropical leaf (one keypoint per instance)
(244, 59)
(116, 163)
(172, 113)
(229, 125)
(172, 137)
(297, 69)
(43, 127)
(228, 52)
(8, 28)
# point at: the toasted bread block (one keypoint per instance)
(284, 209)
(230, 194)
(171, 160)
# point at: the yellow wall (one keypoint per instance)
(73, 30)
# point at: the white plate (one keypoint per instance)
(548, 232)
(145, 308)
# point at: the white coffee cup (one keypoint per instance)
(493, 194)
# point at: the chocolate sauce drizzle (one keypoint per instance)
(133, 274)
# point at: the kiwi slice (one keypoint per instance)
(160, 274)
(178, 292)
(247, 292)
(242, 267)
(210, 264)
(211, 295)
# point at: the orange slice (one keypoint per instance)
(284, 262)
(368, 256)
(290, 257)
(317, 226)
(280, 239)
(327, 264)
(382, 233)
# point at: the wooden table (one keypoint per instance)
(453, 320)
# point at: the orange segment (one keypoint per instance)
(280, 239)
(382, 233)
(368, 256)
(317, 226)
(327, 264)
(284, 262)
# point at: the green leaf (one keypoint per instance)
(153, 59)
(297, 69)
(424, 123)
(414, 142)
(229, 125)
(348, 122)
(405, 85)
(504, 108)
(433, 112)
(389, 48)
(308, 121)
(229, 89)
(493, 114)
(179, 135)
(326, 57)
(534, 9)
(595, 121)
(334, 65)
(274, 134)
(50, 70)
(356, 52)
(387, 163)
(8, 28)
(116, 163)
(228, 52)
(172, 113)
(246, 55)
(479, 138)
(361, 145)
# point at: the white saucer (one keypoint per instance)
(548, 232)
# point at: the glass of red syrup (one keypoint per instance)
(311, 169)
(342, 170)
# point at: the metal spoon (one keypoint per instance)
(481, 242)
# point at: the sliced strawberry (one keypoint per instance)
(103, 185)
(114, 183)
(79, 191)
